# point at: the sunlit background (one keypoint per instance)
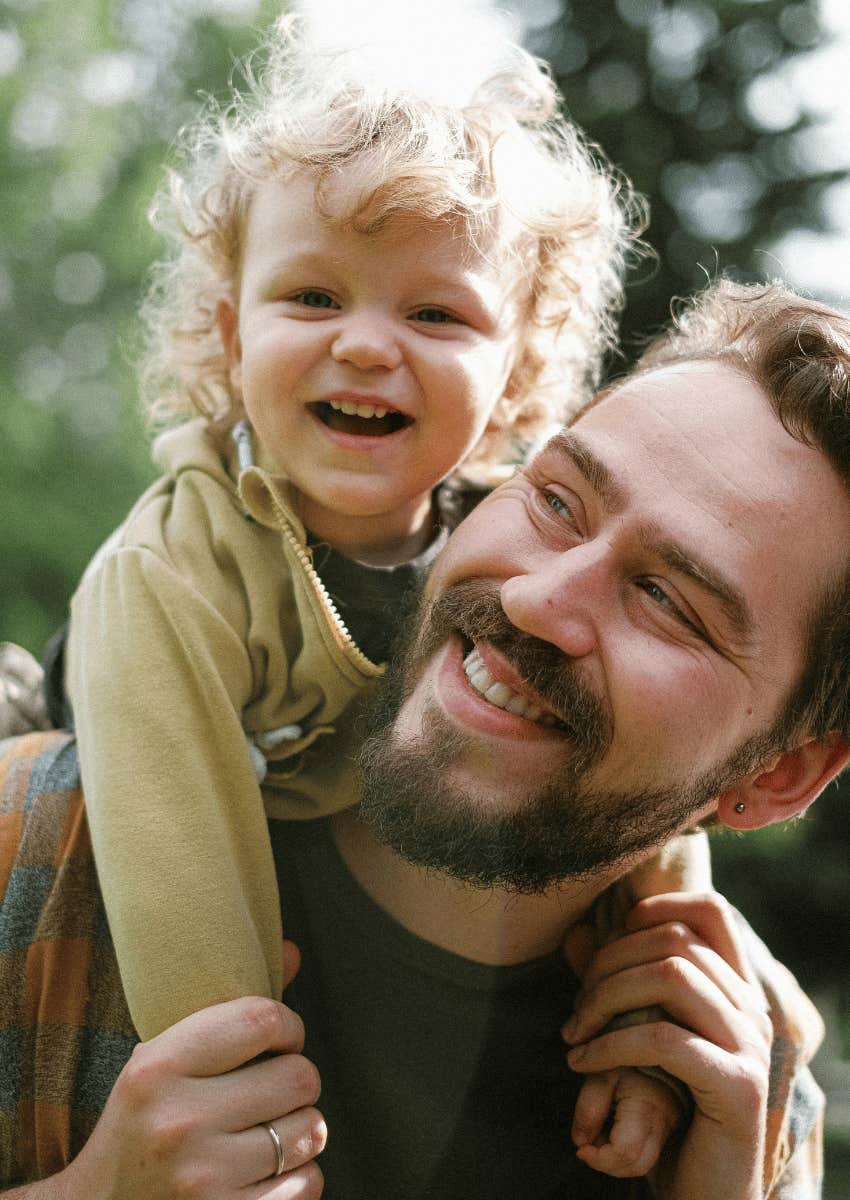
(731, 115)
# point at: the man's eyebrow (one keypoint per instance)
(686, 562)
(678, 558)
(597, 474)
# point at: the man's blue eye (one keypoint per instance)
(661, 598)
(314, 299)
(657, 593)
(558, 505)
(434, 316)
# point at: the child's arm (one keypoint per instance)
(158, 680)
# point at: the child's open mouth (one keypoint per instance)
(361, 420)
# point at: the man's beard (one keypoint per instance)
(563, 830)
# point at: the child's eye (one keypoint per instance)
(313, 298)
(434, 316)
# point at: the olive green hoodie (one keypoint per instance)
(200, 621)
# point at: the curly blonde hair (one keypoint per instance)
(507, 153)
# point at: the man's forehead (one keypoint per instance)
(707, 431)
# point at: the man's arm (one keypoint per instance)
(188, 1115)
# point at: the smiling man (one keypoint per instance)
(618, 635)
(647, 628)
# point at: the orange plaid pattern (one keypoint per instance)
(65, 1032)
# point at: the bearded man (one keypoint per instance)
(646, 629)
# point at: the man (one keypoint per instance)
(645, 629)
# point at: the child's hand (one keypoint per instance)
(622, 1120)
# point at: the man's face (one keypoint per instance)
(617, 629)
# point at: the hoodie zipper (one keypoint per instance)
(331, 613)
(242, 437)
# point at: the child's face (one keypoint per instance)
(368, 364)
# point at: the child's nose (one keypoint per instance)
(367, 341)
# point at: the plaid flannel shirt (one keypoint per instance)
(65, 1032)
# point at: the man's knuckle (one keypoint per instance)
(263, 1017)
(141, 1079)
(305, 1078)
(673, 971)
(193, 1181)
(679, 935)
(168, 1131)
(717, 906)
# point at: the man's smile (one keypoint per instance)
(468, 705)
(513, 695)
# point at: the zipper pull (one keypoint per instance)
(241, 434)
(274, 737)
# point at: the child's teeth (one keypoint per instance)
(500, 695)
(358, 410)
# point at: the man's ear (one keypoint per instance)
(227, 319)
(784, 785)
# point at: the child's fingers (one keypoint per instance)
(634, 1152)
(593, 1106)
(645, 1113)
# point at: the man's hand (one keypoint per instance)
(682, 951)
(188, 1114)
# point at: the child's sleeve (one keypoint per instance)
(158, 679)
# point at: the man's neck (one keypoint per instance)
(487, 925)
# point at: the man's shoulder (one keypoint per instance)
(65, 1031)
(39, 771)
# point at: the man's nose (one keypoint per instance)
(563, 599)
(367, 341)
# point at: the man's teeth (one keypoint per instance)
(500, 694)
(357, 410)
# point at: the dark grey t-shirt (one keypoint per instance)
(374, 602)
(442, 1078)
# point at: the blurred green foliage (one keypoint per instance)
(92, 96)
(696, 101)
(690, 98)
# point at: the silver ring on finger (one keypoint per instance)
(278, 1149)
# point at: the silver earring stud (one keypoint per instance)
(740, 807)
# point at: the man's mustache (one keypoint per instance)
(472, 608)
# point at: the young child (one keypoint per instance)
(369, 290)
